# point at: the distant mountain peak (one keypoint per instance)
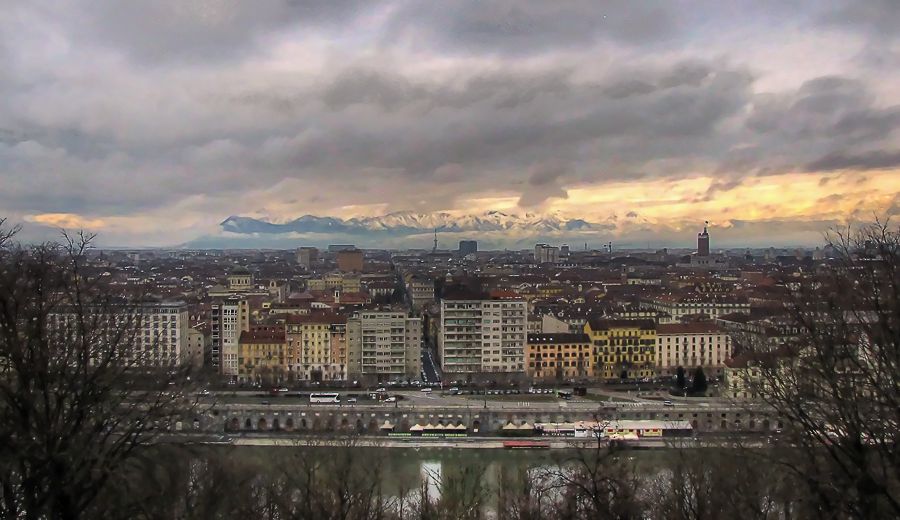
(403, 223)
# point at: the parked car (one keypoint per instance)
(427, 390)
(668, 403)
(391, 399)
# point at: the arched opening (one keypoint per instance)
(261, 424)
(767, 425)
(248, 424)
(317, 424)
(344, 423)
(372, 426)
(359, 426)
(289, 424)
(276, 424)
(752, 424)
(476, 426)
(724, 424)
(303, 423)
(694, 423)
(234, 424)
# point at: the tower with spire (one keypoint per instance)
(434, 249)
(703, 241)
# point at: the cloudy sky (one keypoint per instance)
(150, 122)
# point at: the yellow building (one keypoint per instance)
(559, 356)
(264, 356)
(622, 348)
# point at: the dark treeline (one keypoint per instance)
(79, 423)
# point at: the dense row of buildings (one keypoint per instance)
(550, 314)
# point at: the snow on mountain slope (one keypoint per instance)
(408, 223)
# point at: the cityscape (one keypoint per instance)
(398, 260)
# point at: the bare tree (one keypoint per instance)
(837, 387)
(76, 399)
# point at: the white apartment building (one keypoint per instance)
(483, 335)
(160, 330)
(692, 345)
(386, 345)
(228, 318)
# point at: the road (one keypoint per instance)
(436, 400)
(429, 364)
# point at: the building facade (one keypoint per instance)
(546, 254)
(318, 343)
(559, 356)
(483, 335)
(228, 318)
(692, 345)
(384, 345)
(307, 257)
(624, 349)
(158, 332)
(263, 356)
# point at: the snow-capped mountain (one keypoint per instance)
(410, 223)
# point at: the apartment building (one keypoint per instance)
(384, 345)
(263, 356)
(159, 331)
(307, 257)
(624, 349)
(546, 254)
(420, 290)
(692, 345)
(559, 356)
(318, 343)
(228, 318)
(195, 347)
(483, 335)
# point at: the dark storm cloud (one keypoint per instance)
(523, 27)
(201, 30)
(875, 160)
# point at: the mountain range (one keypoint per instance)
(409, 223)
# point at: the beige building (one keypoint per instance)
(692, 345)
(195, 348)
(385, 345)
(420, 290)
(483, 335)
(240, 279)
(335, 282)
(318, 343)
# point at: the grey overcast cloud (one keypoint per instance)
(153, 122)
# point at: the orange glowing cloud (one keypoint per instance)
(66, 220)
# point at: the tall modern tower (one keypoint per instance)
(703, 241)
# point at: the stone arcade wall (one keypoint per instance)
(238, 418)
